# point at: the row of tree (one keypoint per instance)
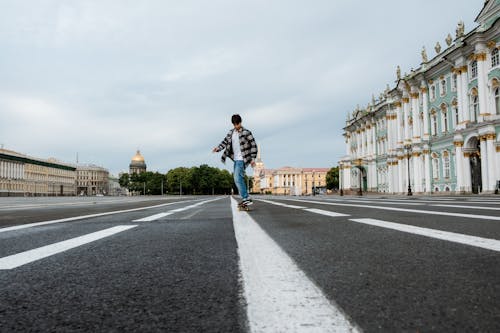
(196, 180)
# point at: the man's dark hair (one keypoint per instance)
(236, 119)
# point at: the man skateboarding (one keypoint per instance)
(240, 146)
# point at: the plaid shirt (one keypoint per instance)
(247, 145)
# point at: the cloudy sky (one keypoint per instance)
(105, 78)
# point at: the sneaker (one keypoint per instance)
(247, 202)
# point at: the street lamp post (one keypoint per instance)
(407, 148)
(313, 185)
(340, 179)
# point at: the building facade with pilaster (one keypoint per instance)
(438, 129)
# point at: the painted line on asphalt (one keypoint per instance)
(468, 207)
(279, 296)
(471, 216)
(173, 211)
(29, 225)
(325, 212)
(485, 243)
(380, 202)
(26, 257)
(281, 204)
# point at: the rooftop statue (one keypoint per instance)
(460, 31)
(424, 55)
(449, 40)
(437, 48)
(398, 72)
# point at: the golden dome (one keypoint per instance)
(138, 157)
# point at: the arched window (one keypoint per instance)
(473, 69)
(444, 112)
(494, 58)
(433, 124)
(474, 105)
(454, 82)
(446, 164)
(435, 166)
(433, 92)
(497, 99)
(442, 87)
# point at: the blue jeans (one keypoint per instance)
(239, 178)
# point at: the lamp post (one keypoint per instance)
(340, 178)
(313, 185)
(407, 148)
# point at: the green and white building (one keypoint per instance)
(439, 127)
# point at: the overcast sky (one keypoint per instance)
(105, 78)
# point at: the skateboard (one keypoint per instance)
(243, 207)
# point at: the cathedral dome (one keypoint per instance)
(138, 157)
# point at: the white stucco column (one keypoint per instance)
(360, 146)
(425, 105)
(417, 171)
(467, 175)
(401, 173)
(492, 166)
(465, 96)
(482, 85)
(459, 165)
(399, 127)
(406, 113)
(484, 164)
(416, 117)
(460, 92)
(427, 168)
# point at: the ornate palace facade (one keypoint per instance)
(438, 129)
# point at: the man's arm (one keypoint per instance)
(253, 148)
(223, 144)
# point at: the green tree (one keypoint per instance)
(332, 178)
(124, 180)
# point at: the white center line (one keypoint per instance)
(281, 204)
(485, 243)
(280, 297)
(468, 207)
(325, 212)
(26, 257)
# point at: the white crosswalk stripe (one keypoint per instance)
(26, 257)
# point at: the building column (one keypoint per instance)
(427, 168)
(416, 117)
(425, 102)
(459, 166)
(492, 167)
(417, 169)
(406, 114)
(401, 174)
(484, 164)
(374, 140)
(467, 175)
(482, 85)
(399, 129)
(460, 92)
(465, 98)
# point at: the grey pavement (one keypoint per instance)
(176, 267)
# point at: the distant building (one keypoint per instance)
(288, 180)
(92, 180)
(137, 165)
(22, 175)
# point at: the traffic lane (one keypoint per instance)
(175, 275)
(16, 241)
(388, 280)
(464, 225)
(16, 217)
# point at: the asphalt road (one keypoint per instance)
(197, 264)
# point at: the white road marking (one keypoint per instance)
(279, 296)
(468, 207)
(281, 204)
(485, 243)
(173, 211)
(29, 225)
(24, 258)
(471, 216)
(325, 212)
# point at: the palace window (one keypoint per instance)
(473, 69)
(495, 61)
(445, 120)
(474, 107)
(435, 166)
(455, 116)
(433, 92)
(433, 125)
(446, 164)
(454, 83)
(497, 100)
(442, 87)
